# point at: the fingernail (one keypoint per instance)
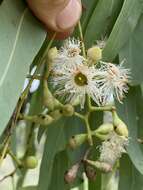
(69, 15)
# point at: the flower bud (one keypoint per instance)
(48, 99)
(68, 110)
(90, 172)
(52, 53)
(94, 54)
(105, 128)
(77, 140)
(100, 136)
(42, 119)
(102, 166)
(71, 174)
(56, 114)
(31, 162)
(119, 126)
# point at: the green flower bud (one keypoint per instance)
(56, 114)
(102, 166)
(48, 99)
(31, 162)
(68, 110)
(77, 140)
(44, 119)
(40, 119)
(119, 126)
(94, 54)
(52, 53)
(105, 128)
(100, 136)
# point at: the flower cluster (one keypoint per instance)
(112, 148)
(74, 77)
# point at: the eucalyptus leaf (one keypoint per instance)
(128, 112)
(59, 168)
(28, 188)
(55, 142)
(102, 17)
(88, 8)
(125, 181)
(132, 53)
(110, 181)
(130, 178)
(21, 37)
(74, 126)
(123, 28)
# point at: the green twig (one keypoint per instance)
(89, 103)
(37, 77)
(85, 118)
(104, 108)
(21, 101)
(79, 115)
(17, 161)
(82, 39)
(89, 132)
(4, 151)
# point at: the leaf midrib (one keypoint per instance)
(13, 48)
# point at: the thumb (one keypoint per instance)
(57, 15)
(69, 16)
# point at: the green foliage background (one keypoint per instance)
(21, 38)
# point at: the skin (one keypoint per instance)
(59, 16)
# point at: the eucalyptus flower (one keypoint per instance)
(71, 48)
(68, 54)
(101, 43)
(77, 81)
(114, 81)
(113, 148)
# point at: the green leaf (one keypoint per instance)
(132, 53)
(125, 181)
(59, 169)
(103, 16)
(55, 142)
(129, 114)
(88, 8)
(139, 104)
(21, 37)
(130, 178)
(123, 28)
(95, 184)
(74, 126)
(110, 181)
(28, 188)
